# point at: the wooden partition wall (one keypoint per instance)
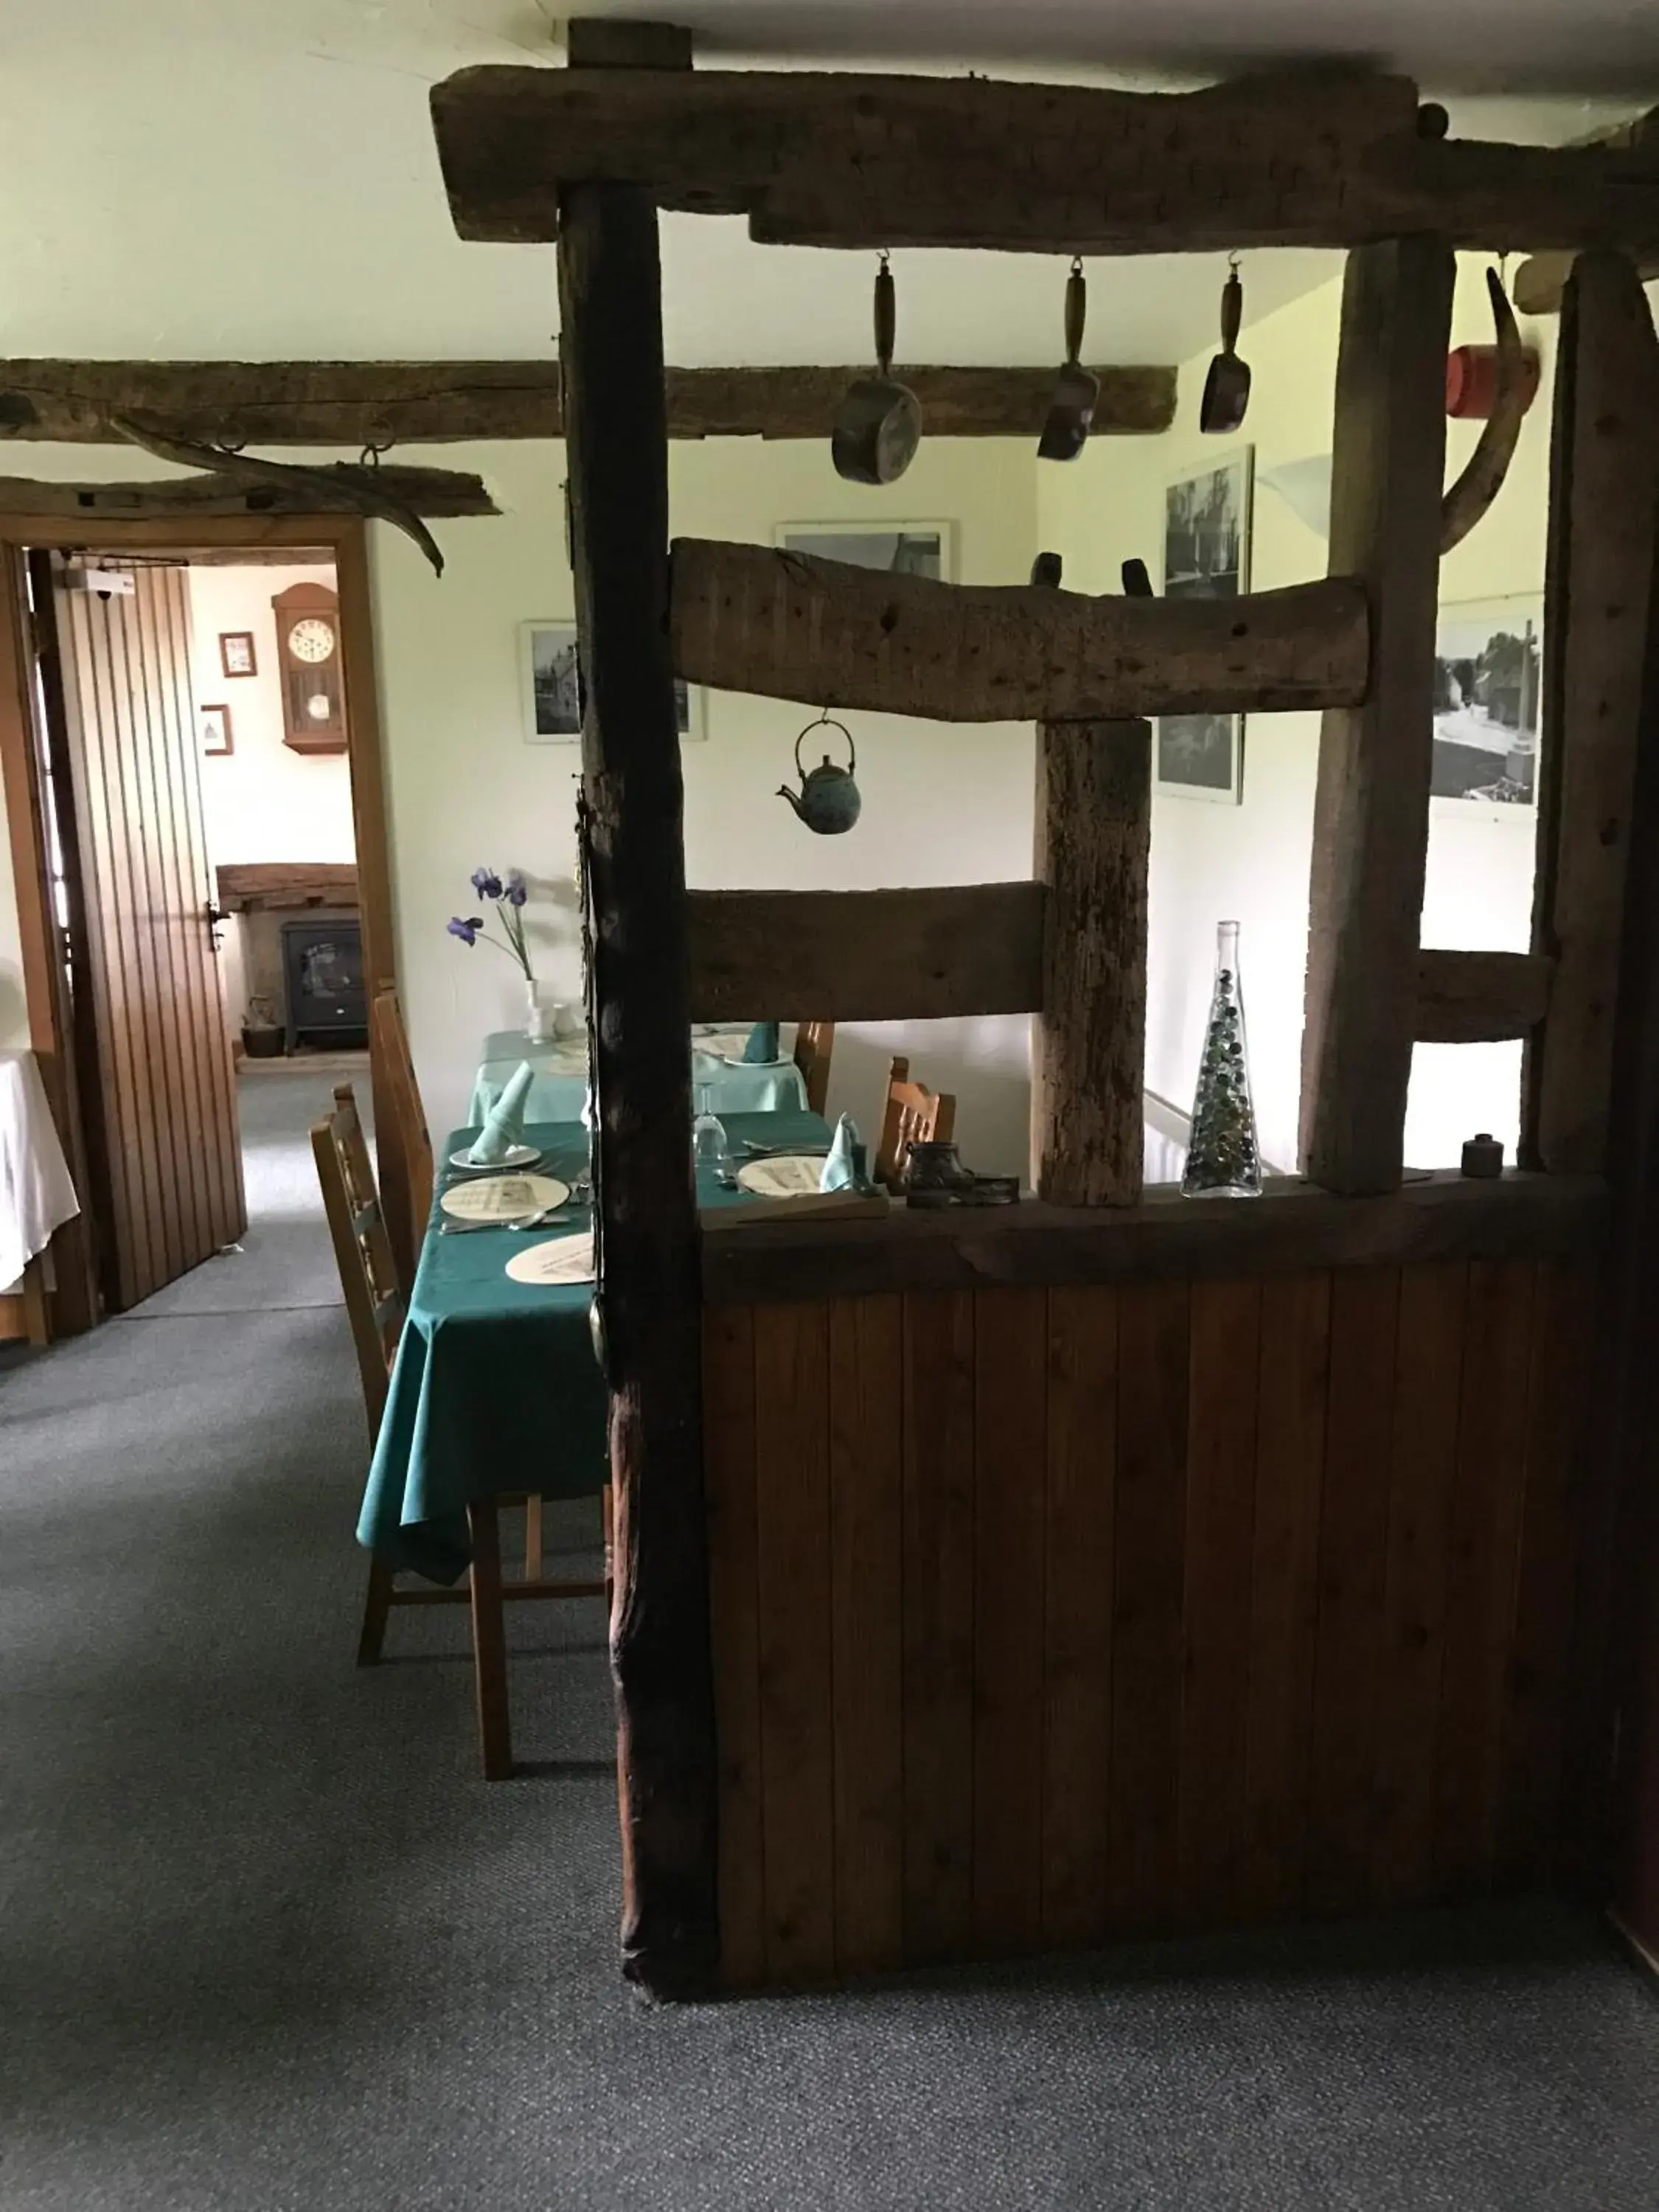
(1048, 1615)
(1077, 1573)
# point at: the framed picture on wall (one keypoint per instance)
(550, 685)
(899, 549)
(1488, 670)
(236, 653)
(213, 729)
(1206, 556)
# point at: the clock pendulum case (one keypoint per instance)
(308, 665)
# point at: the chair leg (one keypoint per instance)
(377, 1604)
(490, 1642)
(533, 1539)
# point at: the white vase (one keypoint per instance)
(538, 1015)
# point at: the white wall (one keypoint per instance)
(263, 801)
(1250, 862)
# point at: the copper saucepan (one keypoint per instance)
(879, 422)
(1071, 410)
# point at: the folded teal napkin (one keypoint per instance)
(843, 1166)
(504, 1124)
(762, 1045)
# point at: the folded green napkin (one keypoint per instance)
(843, 1166)
(762, 1045)
(504, 1125)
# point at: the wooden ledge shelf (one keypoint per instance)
(1293, 1228)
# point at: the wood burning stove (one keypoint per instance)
(323, 993)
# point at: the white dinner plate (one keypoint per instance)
(565, 1259)
(794, 1174)
(515, 1155)
(503, 1197)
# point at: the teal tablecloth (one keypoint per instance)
(560, 1086)
(496, 1386)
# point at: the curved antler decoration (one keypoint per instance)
(337, 480)
(1489, 463)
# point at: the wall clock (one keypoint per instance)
(309, 656)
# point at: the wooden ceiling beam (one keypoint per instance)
(431, 492)
(752, 618)
(353, 403)
(1325, 158)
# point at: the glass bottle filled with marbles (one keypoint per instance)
(1222, 1159)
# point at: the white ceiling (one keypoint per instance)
(253, 177)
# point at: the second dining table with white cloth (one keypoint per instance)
(558, 1088)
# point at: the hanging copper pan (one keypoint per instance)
(878, 423)
(1071, 410)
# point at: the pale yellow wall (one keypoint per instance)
(1249, 863)
(941, 803)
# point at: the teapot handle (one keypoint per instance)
(827, 722)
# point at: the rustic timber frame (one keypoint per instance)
(774, 1831)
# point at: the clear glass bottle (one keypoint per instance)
(1223, 1160)
(708, 1144)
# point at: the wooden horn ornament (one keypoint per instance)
(1484, 472)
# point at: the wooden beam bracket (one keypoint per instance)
(1481, 997)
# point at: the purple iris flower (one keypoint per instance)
(486, 883)
(466, 931)
(517, 890)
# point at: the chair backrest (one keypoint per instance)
(362, 1251)
(814, 1043)
(406, 1159)
(914, 1115)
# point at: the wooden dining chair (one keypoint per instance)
(814, 1043)
(375, 1306)
(405, 1148)
(914, 1115)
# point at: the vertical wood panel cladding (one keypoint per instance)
(1049, 1616)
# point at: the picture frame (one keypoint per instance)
(1207, 516)
(213, 731)
(237, 655)
(1488, 696)
(551, 688)
(911, 549)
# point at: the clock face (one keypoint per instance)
(311, 638)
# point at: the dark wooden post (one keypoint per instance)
(611, 312)
(1372, 808)
(1089, 1042)
(1604, 508)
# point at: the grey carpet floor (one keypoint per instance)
(266, 1945)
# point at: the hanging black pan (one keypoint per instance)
(878, 423)
(1071, 410)
(1227, 386)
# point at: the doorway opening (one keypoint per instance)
(210, 897)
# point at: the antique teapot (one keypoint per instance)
(828, 800)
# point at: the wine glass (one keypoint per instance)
(708, 1144)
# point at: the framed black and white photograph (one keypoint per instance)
(1488, 663)
(1206, 556)
(213, 730)
(898, 548)
(550, 682)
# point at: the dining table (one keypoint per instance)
(559, 1075)
(495, 1389)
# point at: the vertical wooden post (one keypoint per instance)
(615, 428)
(1604, 511)
(1089, 1042)
(1371, 809)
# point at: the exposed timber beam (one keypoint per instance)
(433, 492)
(1481, 997)
(754, 618)
(1371, 800)
(1300, 159)
(1542, 279)
(867, 955)
(353, 403)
